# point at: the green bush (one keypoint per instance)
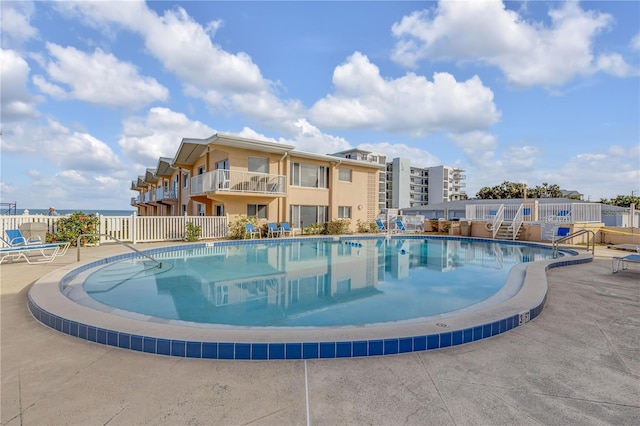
(237, 230)
(336, 227)
(69, 228)
(192, 232)
(313, 229)
(364, 227)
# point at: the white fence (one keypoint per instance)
(134, 229)
(533, 212)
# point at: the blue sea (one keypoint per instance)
(63, 212)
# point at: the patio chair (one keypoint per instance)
(400, 226)
(47, 252)
(285, 228)
(624, 261)
(272, 230)
(17, 240)
(561, 232)
(381, 226)
(250, 230)
(561, 216)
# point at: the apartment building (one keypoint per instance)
(403, 185)
(230, 175)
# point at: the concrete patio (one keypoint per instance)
(577, 363)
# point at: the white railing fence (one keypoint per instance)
(134, 229)
(533, 212)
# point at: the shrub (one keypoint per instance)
(364, 227)
(69, 228)
(237, 230)
(313, 229)
(446, 226)
(192, 232)
(434, 225)
(336, 227)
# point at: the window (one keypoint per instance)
(219, 209)
(201, 170)
(224, 164)
(175, 183)
(184, 209)
(258, 164)
(257, 210)
(344, 212)
(303, 216)
(185, 180)
(344, 175)
(201, 209)
(309, 175)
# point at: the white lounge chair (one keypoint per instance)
(624, 261)
(47, 253)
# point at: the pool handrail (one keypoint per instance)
(119, 242)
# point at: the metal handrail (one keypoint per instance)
(575, 234)
(117, 241)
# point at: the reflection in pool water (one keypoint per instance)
(312, 283)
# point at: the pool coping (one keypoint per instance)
(46, 302)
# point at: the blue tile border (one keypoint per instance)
(281, 350)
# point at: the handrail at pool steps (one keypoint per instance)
(117, 241)
(591, 240)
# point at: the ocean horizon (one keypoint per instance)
(64, 212)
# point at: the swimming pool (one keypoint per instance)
(308, 285)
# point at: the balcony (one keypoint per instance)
(236, 181)
(163, 194)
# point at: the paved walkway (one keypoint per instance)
(577, 363)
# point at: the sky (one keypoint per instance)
(93, 93)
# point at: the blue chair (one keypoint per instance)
(285, 228)
(272, 230)
(381, 226)
(400, 226)
(561, 232)
(17, 239)
(250, 231)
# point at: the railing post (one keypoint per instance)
(133, 228)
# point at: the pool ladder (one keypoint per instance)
(591, 240)
(119, 242)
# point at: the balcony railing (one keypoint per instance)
(220, 181)
(166, 194)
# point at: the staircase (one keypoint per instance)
(504, 233)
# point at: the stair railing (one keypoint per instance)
(591, 240)
(119, 242)
(518, 219)
(497, 221)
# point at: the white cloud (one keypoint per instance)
(226, 81)
(615, 65)
(410, 104)
(146, 139)
(15, 22)
(418, 157)
(634, 44)
(528, 53)
(97, 78)
(61, 147)
(17, 102)
(478, 147)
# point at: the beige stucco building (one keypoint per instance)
(230, 175)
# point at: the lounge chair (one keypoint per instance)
(561, 216)
(285, 228)
(250, 231)
(47, 252)
(272, 230)
(17, 240)
(400, 226)
(381, 226)
(624, 261)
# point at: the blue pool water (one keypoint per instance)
(312, 283)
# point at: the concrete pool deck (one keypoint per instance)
(577, 363)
